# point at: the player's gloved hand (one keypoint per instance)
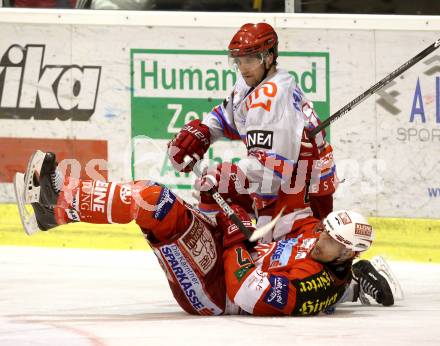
(193, 140)
(231, 233)
(229, 180)
(308, 149)
(320, 162)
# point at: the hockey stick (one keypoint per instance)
(379, 85)
(229, 212)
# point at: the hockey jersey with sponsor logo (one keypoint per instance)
(271, 119)
(280, 278)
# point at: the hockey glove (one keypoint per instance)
(193, 140)
(231, 233)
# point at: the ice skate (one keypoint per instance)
(372, 284)
(382, 266)
(39, 187)
(42, 181)
(43, 217)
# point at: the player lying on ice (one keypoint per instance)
(211, 268)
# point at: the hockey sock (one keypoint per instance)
(155, 208)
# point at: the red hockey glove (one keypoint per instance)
(193, 140)
(229, 180)
(231, 233)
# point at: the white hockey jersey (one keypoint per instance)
(270, 120)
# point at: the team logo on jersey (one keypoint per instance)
(278, 292)
(31, 88)
(125, 193)
(259, 139)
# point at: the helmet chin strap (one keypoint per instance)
(266, 71)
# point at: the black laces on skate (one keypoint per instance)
(372, 283)
(369, 287)
(57, 180)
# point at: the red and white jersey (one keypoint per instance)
(270, 119)
(281, 278)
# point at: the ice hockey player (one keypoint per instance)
(211, 269)
(267, 111)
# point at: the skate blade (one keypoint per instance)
(28, 220)
(382, 266)
(32, 192)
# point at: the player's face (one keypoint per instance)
(327, 249)
(251, 67)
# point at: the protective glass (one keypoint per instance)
(248, 62)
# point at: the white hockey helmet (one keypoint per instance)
(350, 229)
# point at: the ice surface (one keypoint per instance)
(87, 297)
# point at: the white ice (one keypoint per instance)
(88, 297)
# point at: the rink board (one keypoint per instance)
(128, 79)
(396, 239)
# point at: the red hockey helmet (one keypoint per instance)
(253, 38)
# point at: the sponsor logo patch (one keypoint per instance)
(310, 307)
(164, 204)
(278, 292)
(93, 196)
(259, 139)
(283, 251)
(240, 273)
(362, 229)
(188, 280)
(345, 218)
(318, 282)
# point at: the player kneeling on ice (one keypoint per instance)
(211, 268)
